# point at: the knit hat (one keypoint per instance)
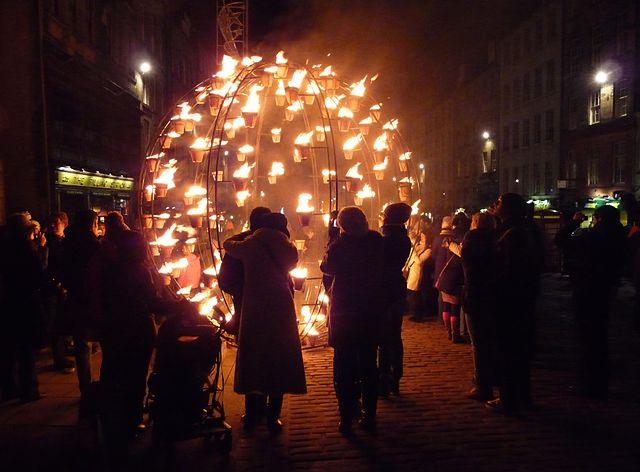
(397, 214)
(353, 221)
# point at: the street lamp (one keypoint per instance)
(486, 135)
(145, 67)
(601, 77)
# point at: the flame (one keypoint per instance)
(327, 172)
(182, 263)
(405, 156)
(243, 171)
(376, 107)
(167, 239)
(249, 61)
(242, 195)
(253, 101)
(206, 307)
(367, 121)
(374, 78)
(381, 143)
(217, 142)
(246, 149)
(195, 191)
(238, 122)
(166, 177)
(391, 125)
(201, 144)
(407, 180)
(415, 207)
(280, 89)
(200, 209)
(323, 129)
(327, 72)
(345, 113)
(332, 102)
(276, 131)
(156, 156)
(277, 168)
(358, 88)
(299, 272)
(166, 268)
(295, 106)
(366, 192)
(353, 172)
(185, 108)
(227, 89)
(303, 203)
(324, 298)
(352, 143)
(303, 139)
(184, 290)
(229, 65)
(280, 59)
(382, 165)
(297, 78)
(271, 69)
(173, 135)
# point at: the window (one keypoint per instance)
(548, 128)
(516, 92)
(537, 82)
(622, 105)
(525, 180)
(548, 178)
(619, 162)
(572, 169)
(592, 172)
(594, 108)
(536, 179)
(525, 133)
(551, 76)
(537, 129)
(505, 138)
(515, 128)
(494, 160)
(597, 40)
(526, 87)
(505, 180)
(506, 96)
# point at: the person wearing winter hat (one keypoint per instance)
(355, 260)
(396, 250)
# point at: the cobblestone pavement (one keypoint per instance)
(430, 426)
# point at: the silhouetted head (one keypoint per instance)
(396, 214)
(255, 218)
(353, 221)
(132, 247)
(511, 208)
(275, 221)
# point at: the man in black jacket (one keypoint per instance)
(396, 248)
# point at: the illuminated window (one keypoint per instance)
(548, 178)
(592, 172)
(622, 105)
(594, 108)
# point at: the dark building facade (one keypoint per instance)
(600, 84)
(78, 106)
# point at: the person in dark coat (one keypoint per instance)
(231, 280)
(79, 246)
(396, 249)
(451, 279)
(127, 334)
(22, 276)
(356, 262)
(595, 282)
(478, 261)
(269, 360)
(517, 285)
(54, 293)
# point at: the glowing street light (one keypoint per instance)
(601, 77)
(145, 67)
(486, 135)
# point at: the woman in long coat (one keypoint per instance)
(269, 360)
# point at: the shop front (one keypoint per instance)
(82, 190)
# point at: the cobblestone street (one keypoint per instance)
(430, 426)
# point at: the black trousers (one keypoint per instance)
(355, 377)
(482, 331)
(391, 352)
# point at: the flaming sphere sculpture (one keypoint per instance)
(287, 136)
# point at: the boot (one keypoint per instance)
(273, 413)
(446, 319)
(455, 330)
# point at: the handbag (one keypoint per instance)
(437, 284)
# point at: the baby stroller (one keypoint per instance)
(185, 392)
